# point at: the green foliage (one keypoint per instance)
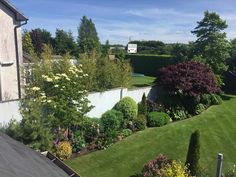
(64, 150)
(142, 107)
(177, 113)
(128, 107)
(212, 44)
(157, 119)
(125, 133)
(104, 142)
(87, 37)
(104, 74)
(27, 44)
(140, 122)
(151, 47)
(119, 53)
(111, 122)
(64, 43)
(149, 64)
(199, 108)
(193, 155)
(210, 99)
(216, 99)
(176, 168)
(90, 129)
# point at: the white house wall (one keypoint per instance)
(8, 53)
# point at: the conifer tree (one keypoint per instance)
(193, 155)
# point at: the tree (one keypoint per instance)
(87, 37)
(193, 155)
(211, 43)
(64, 43)
(27, 44)
(105, 49)
(188, 79)
(40, 37)
(232, 62)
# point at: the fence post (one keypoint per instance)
(219, 165)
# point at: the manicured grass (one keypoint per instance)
(217, 126)
(141, 81)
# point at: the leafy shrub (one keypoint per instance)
(140, 122)
(188, 78)
(78, 143)
(176, 168)
(90, 129)
(210, 99)
(104, 142)
(126, 132)
(157, 119)
(216, 99)
(177, 113)
(111, 121)
(199, 108)
(64, 150)
(155, 167)
(152, 106)
(128, 107)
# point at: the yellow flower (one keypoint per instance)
(35, 88)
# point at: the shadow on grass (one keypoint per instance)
(141, 85)
(136, 175)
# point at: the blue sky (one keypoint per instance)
(119, 20)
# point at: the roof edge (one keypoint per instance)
(19, 15)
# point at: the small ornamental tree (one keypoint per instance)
(188, 79)
(193, 155)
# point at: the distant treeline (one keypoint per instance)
(161, 48)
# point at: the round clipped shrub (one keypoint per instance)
(128, 107)
(111, 121)
(157, 119)
(140, 122)
(64, 150)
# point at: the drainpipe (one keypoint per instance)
(17, 58)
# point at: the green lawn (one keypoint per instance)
(141, 81)
(217, 126)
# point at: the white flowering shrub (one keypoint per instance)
(55, 99)
(62, 96)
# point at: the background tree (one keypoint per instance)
(212, 44)
(87, 37)
(232, 62)
(64, 43)
(28, 47)
(105, 48)
(193, 155)
(40, 37)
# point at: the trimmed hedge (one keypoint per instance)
(149, 64)
(128, 107)
(157, 119)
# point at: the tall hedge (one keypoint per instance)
(149, 64)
